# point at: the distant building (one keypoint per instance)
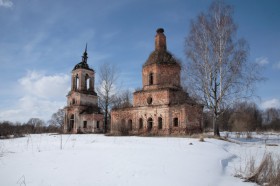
(161, 106)
(82, 113)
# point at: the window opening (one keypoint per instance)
(85, 124)
(150, 124)
(140, 123)
(159, 123)
(151, 79)
(175, 122)
(130, 124)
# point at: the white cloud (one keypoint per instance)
(272, 103)
(42, 95)
(6, 3)
(262, 61)
(40, 85)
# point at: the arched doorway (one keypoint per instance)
(71, 123)
(150, 124)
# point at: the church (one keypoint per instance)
(161, 107)
(82, 114)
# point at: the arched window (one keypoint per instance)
(77, 82)
(175, 122)
(87, 81)
(140, 123)
(150, 124)
(130, 124)
(151, 78)
(159, 123)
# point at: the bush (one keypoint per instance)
(120, 129)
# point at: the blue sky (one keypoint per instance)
(41, 41)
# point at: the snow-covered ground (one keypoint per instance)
(125, 161)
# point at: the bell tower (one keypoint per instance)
(83, 77)
(82, 113)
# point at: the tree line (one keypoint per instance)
(33, 126)
(245, 117)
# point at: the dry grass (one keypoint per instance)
(249, 135)
(201, 138)
(266, 173)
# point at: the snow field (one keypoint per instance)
(106, 161)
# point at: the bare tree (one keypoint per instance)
(270, 115)
(106, 89)
(271, 119)
(37, 124)
(218, 69)
(123, 100)
(246, 117)
(57, 119)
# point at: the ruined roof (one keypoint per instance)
(160, 55)
(83, 64)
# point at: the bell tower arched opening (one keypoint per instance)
(77, 82)
(87, 82)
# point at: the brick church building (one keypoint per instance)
(82, 113)
(161, 106)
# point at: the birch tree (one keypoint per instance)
(217, 67)
(106, 89)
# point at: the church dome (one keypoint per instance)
(160, 55)
(83, 64)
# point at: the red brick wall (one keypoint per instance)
(158, 96)
(165, 75)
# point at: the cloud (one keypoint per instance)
(42, 95)
(44, 86)
(272, 103)
(262, 61)
(6, 3)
